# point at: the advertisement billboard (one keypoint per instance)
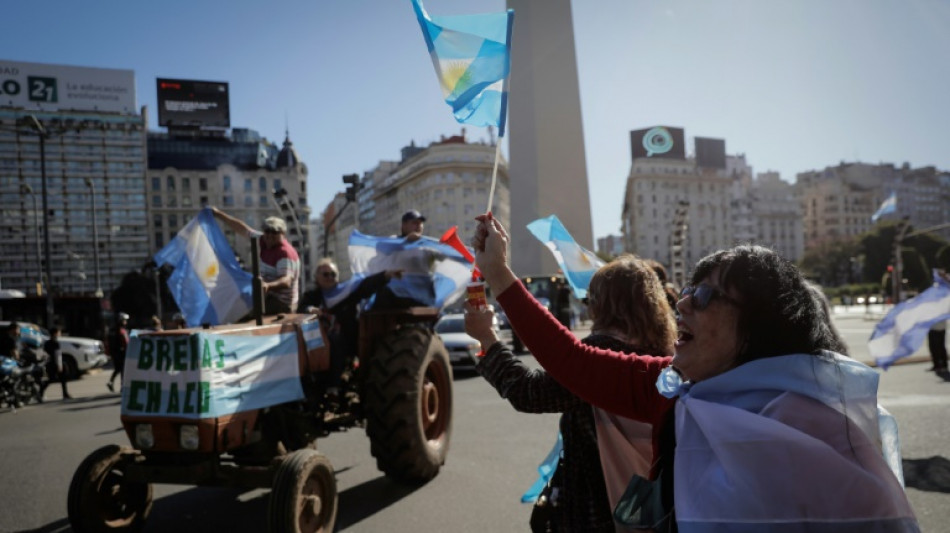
(44, 87)
(660, 141)
(710, 153)
(193, 103)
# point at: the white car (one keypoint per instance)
(463, 349)
(80, 354)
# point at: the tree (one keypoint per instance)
(831, 263)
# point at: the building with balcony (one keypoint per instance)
(447, 181)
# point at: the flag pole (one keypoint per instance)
(494, 175)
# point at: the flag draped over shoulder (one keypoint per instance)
(887, 206)
(577, 263)
(902, 331)
(471, 56)
(208, 284)
(434, 274)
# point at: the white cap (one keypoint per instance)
(123, 316)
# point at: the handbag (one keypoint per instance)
(545, 507)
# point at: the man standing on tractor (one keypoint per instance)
(280, 264)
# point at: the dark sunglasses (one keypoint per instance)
(328, 274)
(701, 295)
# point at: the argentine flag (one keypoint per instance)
(434, 274)
(577, 263)
(887, 206)
(903, 329)
(471, 56)
(208, 284)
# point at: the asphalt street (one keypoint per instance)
(493, 460)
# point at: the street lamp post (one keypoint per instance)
(42, 134)
(26, 189)
(95, 236)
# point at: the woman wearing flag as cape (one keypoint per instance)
(758, 423)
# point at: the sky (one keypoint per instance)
(795, 85)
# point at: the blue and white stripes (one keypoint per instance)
(471, 56)
(577, 263)
(208, 284)
(902, 331)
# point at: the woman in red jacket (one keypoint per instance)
(630, 314)
(759, 424)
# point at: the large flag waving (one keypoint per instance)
(577, 263)
(887, 206)
(208, 284)
(903, 329)
(434, 274)
(471, 56)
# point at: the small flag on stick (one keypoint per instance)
(472, 57)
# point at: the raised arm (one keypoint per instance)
(618, 382)
(237, 225)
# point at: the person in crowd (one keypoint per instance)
(280, 264)
(178, 321)
(410, 229)
(120, 342)
(156, 323)
(338, 305)
(672, 293)
(937, 336)
(54, 364)
(10, 341)
(413, 225)
(630, 314)
(758, 424)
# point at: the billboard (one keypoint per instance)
(710, 153)
(193, 103)
(659, 141)
(44, 87)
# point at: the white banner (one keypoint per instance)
(43, 87)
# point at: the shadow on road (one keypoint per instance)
(91, 402)
(932, 474)
(366, 499)
(59, 526)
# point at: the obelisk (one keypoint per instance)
(547, 166)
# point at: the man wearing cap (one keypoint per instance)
(413, 224)
(280, 264)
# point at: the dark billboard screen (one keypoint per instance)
(660, 141)
(193, 103)
(710, 153)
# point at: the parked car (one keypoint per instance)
(463, 349)
(80, 354)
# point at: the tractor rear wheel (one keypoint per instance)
(408, 404)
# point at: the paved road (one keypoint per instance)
(494, 453)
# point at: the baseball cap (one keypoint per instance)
(123, 316)
(412, 214)
(275, 224)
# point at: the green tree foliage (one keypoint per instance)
(832, 263)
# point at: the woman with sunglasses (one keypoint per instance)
(630, 314)
(758, 423)
(338, 305)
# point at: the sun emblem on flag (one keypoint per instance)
(211, 271)
(454, 73)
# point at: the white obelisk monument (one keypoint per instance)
(547, 166)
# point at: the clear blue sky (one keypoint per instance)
(793, 84)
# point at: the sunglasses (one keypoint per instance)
(701, 295)
(328, 274)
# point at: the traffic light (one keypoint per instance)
(354, 186)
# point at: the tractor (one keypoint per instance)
(243, 405)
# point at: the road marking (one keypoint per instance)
(905, 400)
